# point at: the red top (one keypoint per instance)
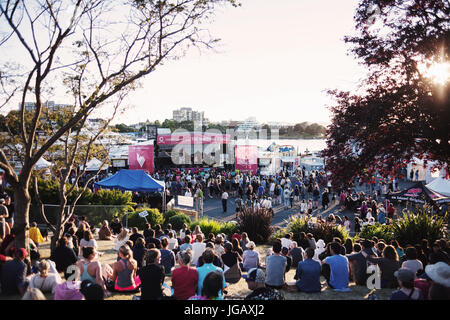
(184, 282)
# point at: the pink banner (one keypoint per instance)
(141, 158)
(193, 138)
(246, 158)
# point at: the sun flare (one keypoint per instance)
(439, 73)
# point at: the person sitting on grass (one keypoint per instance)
(275, 267)
(63, 256)
(285, 253)
(116, 226)
(44, 281)
(14, 274)
(105, 232)
(218, 248)
(339, 268)
(250, 258)
(184, 278)
(124, 272)
(90, 269)
(207, 267)
(152, 276)
(388, 264)
(152, 239)
(412, 263)
(186, 243)
(33, 294)
(139, 251)
(173, 242)
(197, 248)
(121, 239)
(405, 278)
(231, 264)
(88, 240)
(256, 282)
(217, 261)
(167, 256)
(35, 234)
(135, 234)
(212, 287)
(308, 274)
(360, 261)
(91, 291)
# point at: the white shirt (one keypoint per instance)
(90, 243)
(225, 196)
(46, 285)
(286, 242)
(303, 206)
(197, 250)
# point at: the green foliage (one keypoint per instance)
(324, 231)
(381, 231)
(170, 213)
(256, 224)
(177, 221)
(111, 197)
(412, 228)
(154, 217)
(208, 226)
(213, 226)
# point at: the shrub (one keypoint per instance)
(154, 217)
(177, 221)
(256, 224)
(208, 226)
(381, 231)
(111, 197)
(412, 228)
(229, 228)
(320, 230)
(170, 213)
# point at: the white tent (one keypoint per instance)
(440, 185)
(94, 165)
(42, 164)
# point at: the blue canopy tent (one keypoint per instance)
(133, 180)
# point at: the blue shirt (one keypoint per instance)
(203, 272)
(308, 275)
(382, 217)
(338, 271)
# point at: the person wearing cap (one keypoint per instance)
(439, 273)
(405, 278)
(250, 258)
(14, 274)
(308, 274)
(256, 282)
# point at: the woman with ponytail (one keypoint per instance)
(124, 272)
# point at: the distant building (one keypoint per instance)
(187, 114)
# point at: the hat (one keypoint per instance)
(404, 274)
(256, 275)
(2, 200)
(250, 244)
(21, 253)
(439, 273)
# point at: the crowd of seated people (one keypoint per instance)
(202, 268)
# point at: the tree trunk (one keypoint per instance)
(22, 202)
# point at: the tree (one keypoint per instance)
(75, 44)
(399, 110)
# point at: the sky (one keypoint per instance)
(275, 61)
